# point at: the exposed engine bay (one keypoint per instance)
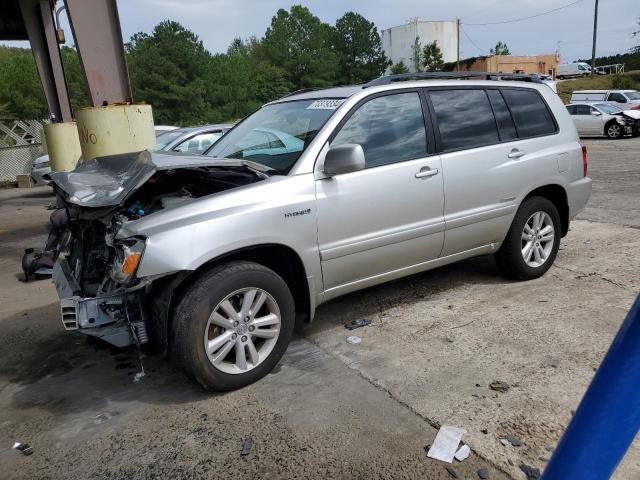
(95, 272)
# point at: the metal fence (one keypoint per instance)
(20, 143)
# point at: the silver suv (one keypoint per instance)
(214, 258)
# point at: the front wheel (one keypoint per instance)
(532, 242)
(614, 131)
(233, 325)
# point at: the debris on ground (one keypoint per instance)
(510, 439)
(483, 473)
(452, 472)
(363, 322)
(485, 431)
(463, 453)
(531, 472)
(446, 443)
(102, 417)
(354, 340)
(25, 448)
(247, 443)
(499, 386)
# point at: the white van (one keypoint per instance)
(624, 99)
(578, 69)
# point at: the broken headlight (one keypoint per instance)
(128, 255)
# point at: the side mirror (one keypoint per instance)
(344, 159)
(596, 113)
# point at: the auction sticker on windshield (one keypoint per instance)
(325, 104)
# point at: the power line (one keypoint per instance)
(524, 18)
(472, 42)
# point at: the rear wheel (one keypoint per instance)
(233, 325)
(614, 130)
(532, 243)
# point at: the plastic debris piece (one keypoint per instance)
(510, 439)
(247, 443)
(25, 448)
(483, 473)
(354, 340)
(363, 322)
(463, 453)
(531, 472)
(452, 472)
(499, 386)
(446, 443)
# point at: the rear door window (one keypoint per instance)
(465, 118)
(530, 113)
(505, 123)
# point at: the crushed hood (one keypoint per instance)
(109, 180)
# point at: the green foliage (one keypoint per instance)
(299, 43)
(621, 82)
(359, 47)
(399, 67)
(500, 49)
(168, 70)
(20, 88)
(416, 54)
(77, 87)
(432, 57)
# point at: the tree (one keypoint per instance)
(432, 57)
(168, 70)
(20, 88)
(76, 82)
(416, 55)
(500, 49)
(299, 43)
(239, 81)
(359, 47)
(399, 67)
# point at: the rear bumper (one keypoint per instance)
(103, 316)
(578, 194)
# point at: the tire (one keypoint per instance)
(613, 130)
(511, 256)
(193, 317)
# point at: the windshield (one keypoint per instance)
(165, 138)
(276, 135)
(606, 108)
(633, 95)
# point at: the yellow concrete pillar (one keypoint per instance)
(63, 145)
(114, 129)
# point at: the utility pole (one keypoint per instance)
(593, 49)
(458, 43)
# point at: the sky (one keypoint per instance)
(218, 22)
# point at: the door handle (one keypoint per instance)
(515, 153)
(427, 172)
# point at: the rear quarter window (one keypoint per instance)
(530, 113)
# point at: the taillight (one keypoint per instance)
(584, 159)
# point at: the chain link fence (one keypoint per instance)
(20, 143)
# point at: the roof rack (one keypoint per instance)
(302, 90)
(388, 79)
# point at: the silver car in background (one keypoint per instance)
(214, 258)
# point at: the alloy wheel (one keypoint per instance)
(242, 330)
(537, 239)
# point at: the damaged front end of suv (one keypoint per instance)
(95, 275)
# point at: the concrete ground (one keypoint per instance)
(330, 409)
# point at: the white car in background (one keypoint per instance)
(39, 168)
(598, 119)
